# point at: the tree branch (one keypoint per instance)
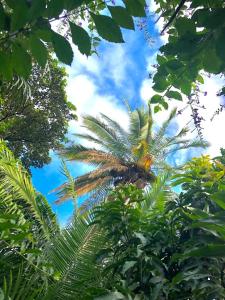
(173, 15)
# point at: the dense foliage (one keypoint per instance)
(152, 244)
(123, 156)
(27, 30)
(35, 120)
(196, 46)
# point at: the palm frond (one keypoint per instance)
(190, 144)
(15, 180)
(109, 137)
(73, 255)
(159, 192)
(162, 130)
(138, 120)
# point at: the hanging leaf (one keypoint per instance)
(107, 28)
(135, 7)
(121, 16)
(21, 61)
(174, 94)
(81, 38)
(62, 48)
(156, 99)
(38, 50)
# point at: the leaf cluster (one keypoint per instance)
(26, 32)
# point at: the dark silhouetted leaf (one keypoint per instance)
(62, 48)
(81, 38)
(107, 28)
(121, 16)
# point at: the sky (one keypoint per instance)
(101, 83)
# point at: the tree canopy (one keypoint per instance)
(34, 122)
(26, 31)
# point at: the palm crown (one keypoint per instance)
(122, 156)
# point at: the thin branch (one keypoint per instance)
(173, 15)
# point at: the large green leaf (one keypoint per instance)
(207, 251)
(184, 26)
(3, 17)
(62, 48)
(19, 15)
(135, 7)
(38, 50)
(73, 4)
(107, 28)
(55, 7)
(21, 61)
(81, 38)
(36, 9)
(121, 16)
(219, 198)
(156, 99)
(160, 85)
(211, 62)
(5, 65)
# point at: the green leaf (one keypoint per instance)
(174, 65)
(121, 16)
(207, 251)
(73, 4)
(164, 104)
(36, 9)
(3, 17)
(128, 265)
(5, 65)
(185, 25)
(62, 48)
(107, 28)
(219, 198)
(161, 59)
(38, 50)
(220, 45)
(156, 99)
(19, 15)
(81, 38)
(211, 62)
(200, 79)
(135, 7)
(174, 94)
(157, 108)
(160, 85)
(21, 61)
(55, 7)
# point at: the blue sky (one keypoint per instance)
(101, 84)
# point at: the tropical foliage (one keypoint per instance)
(195, 32)
(29, 109)
(26, 30)
(152, 244)
(123, 156)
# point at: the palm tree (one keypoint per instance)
(122, 156)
